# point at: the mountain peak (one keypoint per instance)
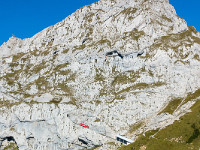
(108, 69)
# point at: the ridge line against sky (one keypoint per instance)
(26, 18)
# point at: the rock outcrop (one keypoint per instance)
(61, 77)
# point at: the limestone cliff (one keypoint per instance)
(111, 65)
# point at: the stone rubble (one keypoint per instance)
(61, 77)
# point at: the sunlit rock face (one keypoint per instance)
(109, 66)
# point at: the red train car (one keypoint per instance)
(83, 125)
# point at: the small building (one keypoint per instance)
(124, 140)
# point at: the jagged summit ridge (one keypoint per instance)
(109, 65)
(104, 20)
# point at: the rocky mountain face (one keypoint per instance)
(119, 67)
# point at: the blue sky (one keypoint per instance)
(25, 18)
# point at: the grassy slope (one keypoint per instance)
(177, 102)
(11, 146)
(181, 135)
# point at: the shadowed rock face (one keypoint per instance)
(114, 53)
(8, 141)
(54, 81)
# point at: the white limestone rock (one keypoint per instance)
(61, 77)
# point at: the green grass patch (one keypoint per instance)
(183, 134)
(8, 104)
(135, 35)
(72, 102)
(41, 82)
(12, 65)
(65, 51)
(191, 96)
(172, 106)
(11, 146)
(125, 77)
(65, 88)
(44, 53)
(99, 76)
(176, 102)
(130, 18)
(141, 86)
(77, 48)
(176, 42)
(129, 11)
(120, 96)
(60, 66)
(196, 56)
(111, 143)
(93, 148)
(18, 56)
(55, 101)
(135, 126)
(38, 68)
(35, 52)
(103, 41)
(97, 120)
(166, 18)
(97, 102)
(89, 17)
(12, 77)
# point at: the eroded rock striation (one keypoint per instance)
(63, 76)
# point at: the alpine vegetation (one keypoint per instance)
(112, 73)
